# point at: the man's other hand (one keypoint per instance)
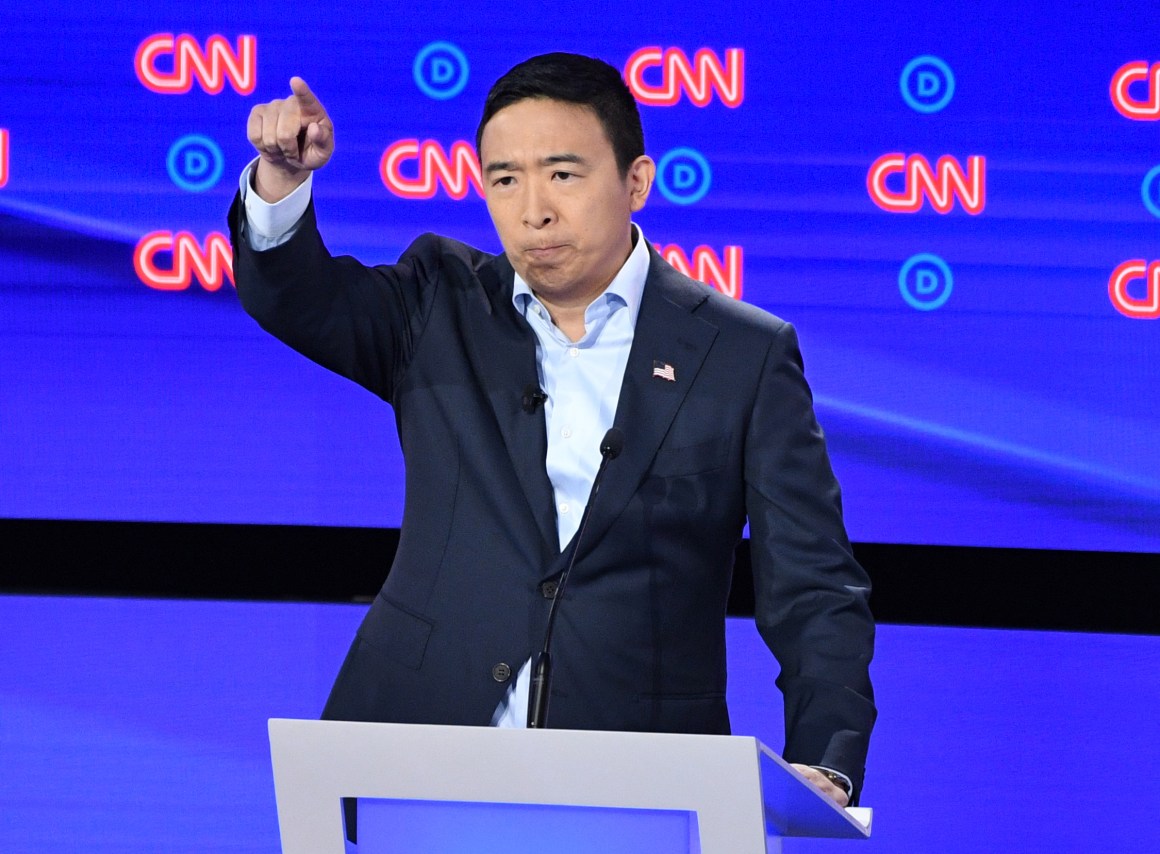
(293, 137)
(822, 782)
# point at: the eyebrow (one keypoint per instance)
(550, 160)
(553, 159)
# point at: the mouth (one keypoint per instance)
(541, 253)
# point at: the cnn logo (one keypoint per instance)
(698, 79)
(940, 185)
(169, 64)
(1126, 278)
(706, 266)
(169, 262)
(3, 157)
(1144, 81)
(416, 170)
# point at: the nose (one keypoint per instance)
(539, 211)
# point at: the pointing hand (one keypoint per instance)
(293, 137)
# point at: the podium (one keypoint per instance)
(478, 789)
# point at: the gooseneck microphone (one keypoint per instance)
(610, 447)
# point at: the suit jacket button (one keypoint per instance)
(501, 672)
(548, 589)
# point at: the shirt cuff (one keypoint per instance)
(270, 225)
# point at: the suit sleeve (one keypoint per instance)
(811, 595)
(361, 322)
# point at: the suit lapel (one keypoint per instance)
(503, 356)
(668, 332)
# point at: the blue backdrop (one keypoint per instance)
(957, 204)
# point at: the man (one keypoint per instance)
(504, 373)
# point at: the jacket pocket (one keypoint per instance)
(690, 459)
(396, 632)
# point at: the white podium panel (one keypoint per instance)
(740, 796)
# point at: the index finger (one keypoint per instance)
(306, 99)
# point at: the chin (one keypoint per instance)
(548, 279)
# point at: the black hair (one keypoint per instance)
(573, 79)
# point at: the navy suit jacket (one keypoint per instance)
(640, 638)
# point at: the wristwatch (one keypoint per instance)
(837, 779)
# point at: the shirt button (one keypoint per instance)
(566, 432)
(537, 309)
(574, 352)
(564, 507)
(501, 672)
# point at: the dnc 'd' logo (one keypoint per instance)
(169, 64)
(659, 76)
(927, 84)
(440, 70)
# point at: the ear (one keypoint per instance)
(639, 181)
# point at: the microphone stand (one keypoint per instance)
(610, 448)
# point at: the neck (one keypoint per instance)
(569, 319)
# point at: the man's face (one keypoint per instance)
(557, 199)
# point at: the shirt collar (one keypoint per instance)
(626, 287)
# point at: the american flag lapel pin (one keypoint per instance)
(664, 371)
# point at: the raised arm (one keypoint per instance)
(361, 322)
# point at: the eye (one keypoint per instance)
(563, 176)
(503, 181)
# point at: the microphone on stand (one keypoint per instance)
(610, 447)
